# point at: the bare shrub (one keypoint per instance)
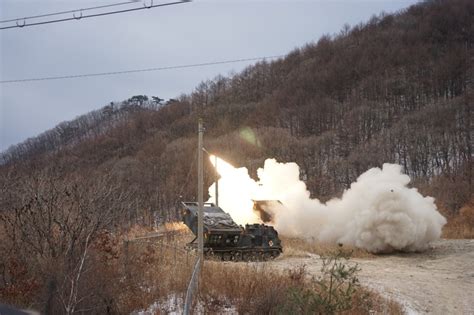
(258, 289)
(461, 225)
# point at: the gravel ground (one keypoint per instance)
(437, 281)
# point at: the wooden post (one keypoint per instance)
(217, 182)
(200, 192)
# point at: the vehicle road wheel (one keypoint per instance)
(246, 256)
(237, 256)
(226, 257)
(267, 256)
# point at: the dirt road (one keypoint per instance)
(438, 281)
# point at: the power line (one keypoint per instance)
(74, 76)
(80, 17)
(70, 11)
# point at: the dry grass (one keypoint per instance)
(461, 225)
(377, 304)
(259, 289)
(132, 277)
(153, 270)
(162, 269)
(251, 288)
(296, 247)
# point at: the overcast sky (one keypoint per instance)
(196, 32)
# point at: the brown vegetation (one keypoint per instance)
(462, 224)
(128, 273)
(258, 289)
(296, 247)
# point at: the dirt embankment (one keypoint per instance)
(438, 281)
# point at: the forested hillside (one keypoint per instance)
(397, 89)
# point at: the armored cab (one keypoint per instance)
(226, 240)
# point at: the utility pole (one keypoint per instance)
(217, 182)
(200, 192)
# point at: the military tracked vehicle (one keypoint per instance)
(226, 240)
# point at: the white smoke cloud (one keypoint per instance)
(378, 212)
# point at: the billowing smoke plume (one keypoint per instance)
(378, 213)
